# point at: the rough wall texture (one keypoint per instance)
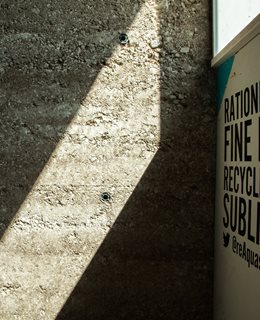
(81, 115)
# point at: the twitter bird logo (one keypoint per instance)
(226, 238)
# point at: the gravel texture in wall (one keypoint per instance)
(83, 114)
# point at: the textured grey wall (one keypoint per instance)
(80, 115)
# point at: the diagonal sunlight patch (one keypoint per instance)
(107, 147)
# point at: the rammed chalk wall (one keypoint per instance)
(81, 115)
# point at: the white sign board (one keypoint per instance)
(237, 235)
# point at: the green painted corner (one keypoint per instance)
(222, 79)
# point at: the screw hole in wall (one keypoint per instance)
(123, 38)
(105, 197)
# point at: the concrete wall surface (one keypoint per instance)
(82, 114)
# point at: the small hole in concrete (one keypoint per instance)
(123, 38)
(105, 197)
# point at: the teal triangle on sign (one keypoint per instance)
(222, 79)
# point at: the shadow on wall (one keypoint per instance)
(51, 53)
(156, 262)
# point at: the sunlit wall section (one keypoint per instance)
(106, 148)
